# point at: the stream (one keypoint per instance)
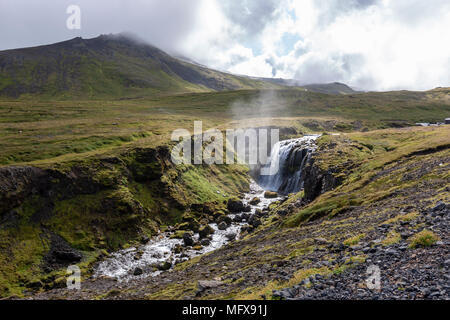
(161, 249)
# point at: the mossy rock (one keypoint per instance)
(205, 231)
(270, 194)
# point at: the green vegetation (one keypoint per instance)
(424, 238)
(392, 238)
(97, 204)
(97, 130)
(364, 171)
(354, 240)
(105, 67)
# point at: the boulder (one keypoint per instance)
(237, 218)
(439, 206)
(205, 231)
(245, 216)
(188, 239)
(205, 242)
(230, 236)
(138, 271)
(207, 284)
(254, 221)
(166, 265)
(270, 194)
(222, 225)
(247, 228)
(225, 219)
(259, 213)
(145, 239)
(255, 201)
(235, 205)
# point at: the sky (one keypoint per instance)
(367, 44)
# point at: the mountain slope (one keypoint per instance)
(107, 66)
(327, 88)
(330, 88)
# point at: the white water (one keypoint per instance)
(293, 153)
(121, 264)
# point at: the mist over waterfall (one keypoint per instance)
(291, 157)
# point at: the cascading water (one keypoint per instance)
(121, 264)
(293, 155)
(287, 161)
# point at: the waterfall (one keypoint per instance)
(291, 157)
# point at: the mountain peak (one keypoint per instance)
(110, 65)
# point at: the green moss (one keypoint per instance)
(392, 238)
(354, 240)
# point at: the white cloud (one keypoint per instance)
(374, 45)
(369, 44)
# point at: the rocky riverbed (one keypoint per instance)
(164, 251)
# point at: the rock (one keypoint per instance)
(230, 236)
(225, 219)
(320, 241)
(447, 263)
(235, 205)
(259, 213)
(69, 255)
(178, 248)
(207, 284)
(255, 201)
(222, 226)
(283, 294)
(270, 194)
(166, 265)
(197, 247)
(282, 212)
(35, 284)
(247, 208)
(205, 231)
(247, 228)
(188, 239)
(254, 221)
(392, 251)
(318, 180)
(145, 239)
(439, 206)
(138, 271)
(216, 216)
(205, 242)
(183, 226)
(245, 216)
(237, 218)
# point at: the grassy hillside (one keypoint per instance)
(40, 130)
(390, 180)
(107, 66)
(330, 88)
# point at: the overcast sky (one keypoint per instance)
(368, 44)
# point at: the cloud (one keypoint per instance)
(162, 22)
(369, 44)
